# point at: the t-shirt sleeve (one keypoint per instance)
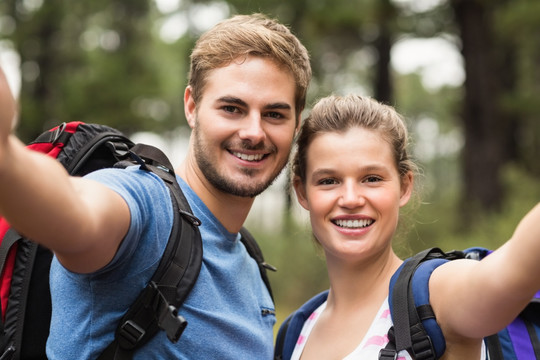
(150, 208)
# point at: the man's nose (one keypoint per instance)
(252, 129)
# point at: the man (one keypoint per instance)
(246, 92)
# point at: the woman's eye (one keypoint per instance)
(372, 178)
(327, 182)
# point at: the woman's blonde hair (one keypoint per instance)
(340, 113)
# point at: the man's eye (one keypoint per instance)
(274, 115)
(230, 108)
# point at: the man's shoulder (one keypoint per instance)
(131, 179)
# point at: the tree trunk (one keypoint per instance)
(35, 41)
(483, 123)
(383, 90)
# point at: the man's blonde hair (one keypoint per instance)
(250, 35)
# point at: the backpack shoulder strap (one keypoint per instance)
(290, 329)
(255, 252)
(157, 305)
(280, 338)
(415, 328)
(10, 238)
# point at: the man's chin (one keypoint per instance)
(242, 187)
(242, 191)
(245, 183)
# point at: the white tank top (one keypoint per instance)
(375, 339)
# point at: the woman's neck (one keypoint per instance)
(354, 285)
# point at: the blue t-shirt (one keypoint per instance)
(227, 310)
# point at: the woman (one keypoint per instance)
(353, 173)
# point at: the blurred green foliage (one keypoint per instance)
(107, 61)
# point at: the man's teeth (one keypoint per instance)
(353, 223)
(246, 157)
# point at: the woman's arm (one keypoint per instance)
(478, 298)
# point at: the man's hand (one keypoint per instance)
(8, 109)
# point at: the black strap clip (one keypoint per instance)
(166, 314)
(387, 354)
(172, 323)
(138, 160)
(55, 135)
(131, 334)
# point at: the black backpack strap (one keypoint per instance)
(533, 336)
(494, 347)
(408, 332)
(17, 310)
(10, 238)
(156, 307)
(255, 252)
(389, 352)
(405, 317)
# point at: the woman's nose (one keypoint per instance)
(351, 196)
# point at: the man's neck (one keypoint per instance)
(230, 210)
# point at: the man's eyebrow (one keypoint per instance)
(240, 102)
(278, 106)
(232, 100)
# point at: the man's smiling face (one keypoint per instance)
(244, 125)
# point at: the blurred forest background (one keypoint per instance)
(476, 130)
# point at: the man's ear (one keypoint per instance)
(407, 185)
(300, 191)
(190, 108)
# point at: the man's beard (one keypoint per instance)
(248, 188)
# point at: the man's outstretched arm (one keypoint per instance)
(82, 221)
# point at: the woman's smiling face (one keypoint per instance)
(353, 192)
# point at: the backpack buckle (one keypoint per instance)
(130, 334)
(172, 323)
(422, 346)
(387, 354)
(118, 148)
(55, 135)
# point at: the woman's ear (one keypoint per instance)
(300, 190)
(407, 185)
(190, 108)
